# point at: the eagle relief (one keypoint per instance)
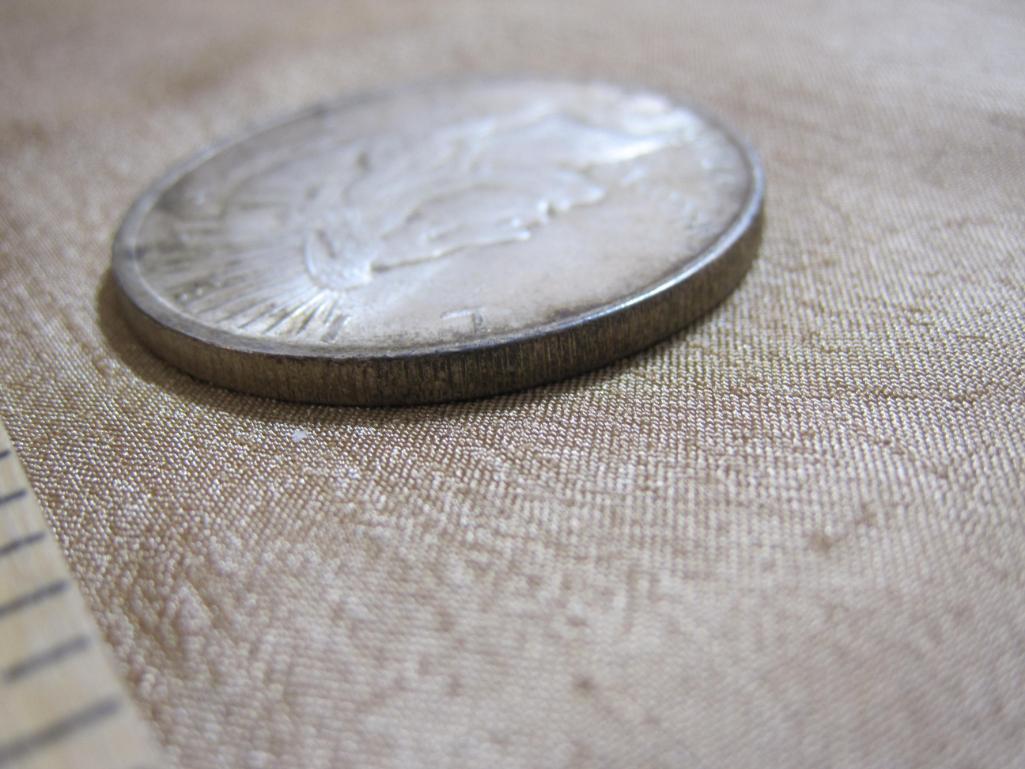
(403, 200)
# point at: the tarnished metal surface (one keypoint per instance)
(445, 241)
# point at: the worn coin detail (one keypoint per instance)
(446, 241)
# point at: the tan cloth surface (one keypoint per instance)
(792, 536)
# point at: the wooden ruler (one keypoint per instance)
(61, 704)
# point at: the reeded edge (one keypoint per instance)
(225, 358)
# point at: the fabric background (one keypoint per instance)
(790, 536)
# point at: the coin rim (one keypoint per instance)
(145, 307)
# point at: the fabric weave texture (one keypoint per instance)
(791, 535)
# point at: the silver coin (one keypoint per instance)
(446, 241)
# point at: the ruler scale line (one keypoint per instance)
(36, 596)
(14, 496)
(18, 749)
(44, 659)
(58, 689)
(15, 545)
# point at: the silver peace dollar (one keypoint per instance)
(447, 241)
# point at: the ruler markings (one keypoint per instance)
(44, 659)
(57, 731)
(14, 496)
(31, 599)
(15, 545)
(40, 716)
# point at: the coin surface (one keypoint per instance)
(447, 241)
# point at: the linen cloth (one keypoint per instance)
(790, 536)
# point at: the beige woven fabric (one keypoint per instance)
(792, 536)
